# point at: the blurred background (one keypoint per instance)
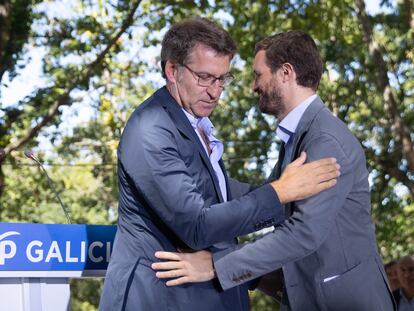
(72, 71)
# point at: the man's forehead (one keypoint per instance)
(260, 56)
(200, 49)
(260, 60)
(209, 62)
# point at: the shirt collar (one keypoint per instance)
(291, 121)
(203, 122)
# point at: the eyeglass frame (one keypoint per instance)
(221, 79)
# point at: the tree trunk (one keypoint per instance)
(399, 128)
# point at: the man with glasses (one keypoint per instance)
(173, 189)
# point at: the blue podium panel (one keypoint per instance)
(46, 250)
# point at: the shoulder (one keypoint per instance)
(328, 136)
(328, 125)
(149, 124)
(326, 122)
(150, 113)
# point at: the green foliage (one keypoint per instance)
(100, 60)
(88, 294)
(261, 302)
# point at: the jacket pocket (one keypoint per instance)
(360, 288)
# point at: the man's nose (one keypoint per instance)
(254, 86)
(215, 89)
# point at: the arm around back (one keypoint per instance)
(301, 234)
(155, 156)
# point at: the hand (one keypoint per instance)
(184, 267)
(300, 180)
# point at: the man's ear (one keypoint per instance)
(288, 72)
(170, 71)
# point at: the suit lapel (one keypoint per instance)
(184, 126)
(303, 126)
(300, 133)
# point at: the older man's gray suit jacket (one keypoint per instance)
(169, 198)
(327, 247)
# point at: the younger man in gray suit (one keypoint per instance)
(326, 247)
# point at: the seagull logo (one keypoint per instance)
(7, 247)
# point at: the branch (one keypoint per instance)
(386, 162)
(4, 34)
(408, 9)
(64, 98)
(400, 130)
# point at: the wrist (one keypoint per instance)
(281, 193)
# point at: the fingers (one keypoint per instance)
(171, 274)
(168, 255)
(328, 176)
(167, 265)
(321, 163)
(300, 160)
(314, 189)
(179, 281)
(324, 166)
(326, 185)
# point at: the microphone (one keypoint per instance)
(31, 156)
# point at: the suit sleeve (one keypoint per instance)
(238, 188)
(298, 236)
(149, 155)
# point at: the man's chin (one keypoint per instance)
(263, 108)
(205, 113)
(206, 110)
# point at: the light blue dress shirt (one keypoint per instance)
(216, 147)
(287, 127)
(291, 121)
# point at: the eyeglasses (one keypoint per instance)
(206, 79)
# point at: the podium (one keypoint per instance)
(37, 261)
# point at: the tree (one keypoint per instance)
(101, 56)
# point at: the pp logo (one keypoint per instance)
(7, 248)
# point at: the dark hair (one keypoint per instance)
(390, 264)
(298, 49)
(182, 37)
